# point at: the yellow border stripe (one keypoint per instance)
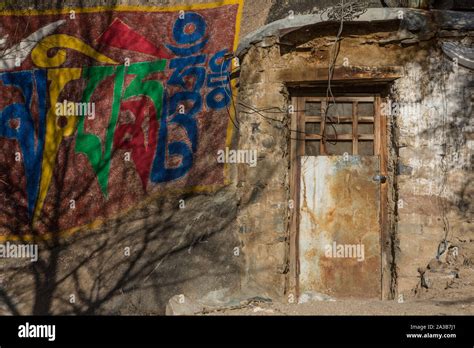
(230, 125)
(124, 8)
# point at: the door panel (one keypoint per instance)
(339, 226)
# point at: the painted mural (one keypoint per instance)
(102, 108)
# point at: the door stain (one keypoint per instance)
(340, 207)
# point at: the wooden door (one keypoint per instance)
(338, 163)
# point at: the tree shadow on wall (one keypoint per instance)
(451, 131)
(129, 263)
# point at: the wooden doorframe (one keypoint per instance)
(297, 148)
(296, 143)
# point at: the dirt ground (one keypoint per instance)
(456, 299)
(359, 307)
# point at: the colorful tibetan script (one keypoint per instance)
(157, 83)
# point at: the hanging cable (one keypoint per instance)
(345, 11)
(444, 169)
(253, 110)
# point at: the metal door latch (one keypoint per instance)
(381, 178)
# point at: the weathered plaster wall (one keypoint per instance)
(263, 190)
(435, 163)
(416, 136)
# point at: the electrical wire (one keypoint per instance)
(260, 112)
(346, 10)
(253, 110)
(234, 122)
(444, 170)
(329, 93)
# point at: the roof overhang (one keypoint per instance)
(421, 23)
